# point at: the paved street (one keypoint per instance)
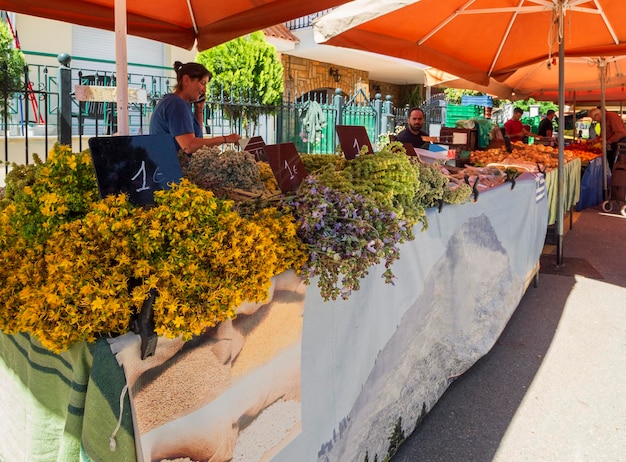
(553, 388)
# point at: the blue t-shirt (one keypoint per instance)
(172, 115)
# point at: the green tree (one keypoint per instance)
(415, 97)
(11, 76)
(454, 95)
(543, 105)
(396, 439)
(246, 70)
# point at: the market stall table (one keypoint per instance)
(571, 188)
(591, 185)
(330, 380)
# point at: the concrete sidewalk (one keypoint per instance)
(553, 388)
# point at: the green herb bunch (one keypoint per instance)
(457, 193)
(433, 184)
(42, 196)
(436, 186)
(315, 162)
(388, 178)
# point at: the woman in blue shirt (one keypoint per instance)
(172, 115)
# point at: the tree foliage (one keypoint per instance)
(414, 98)
(543, 105)
(454, 96)
(11, 79)
(246, 69)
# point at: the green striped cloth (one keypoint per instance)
(62, 407)
(571, 188)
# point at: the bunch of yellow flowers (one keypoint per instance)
(77, 268)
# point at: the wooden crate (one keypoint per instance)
(462, 138)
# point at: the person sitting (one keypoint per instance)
(546, 129)
(413, 132)
(173, 115)
(514, 128)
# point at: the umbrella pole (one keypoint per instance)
(602, 65)
(576, 138)
(560, 172)
(121, 67)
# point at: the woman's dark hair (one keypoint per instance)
(193, 70)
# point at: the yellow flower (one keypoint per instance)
(179, 321)
(87, 275)
(97, 304)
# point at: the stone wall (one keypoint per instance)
(303, 75)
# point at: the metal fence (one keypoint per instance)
(30, 104)
(45, 106)
(306, 21)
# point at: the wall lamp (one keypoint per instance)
(334, 73)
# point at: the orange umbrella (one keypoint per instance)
(583, 81)
(434, 77)
(176, 22)
(182, 23)
(482, 39)
(477, 39)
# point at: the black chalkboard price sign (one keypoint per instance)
(352, 139)
(135, 165)
(410, 149)
(256, 147)
(286, 165)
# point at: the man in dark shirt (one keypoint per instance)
(413, 132)
(545, 126)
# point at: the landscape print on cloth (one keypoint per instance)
(468, 297)
(231, 394)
